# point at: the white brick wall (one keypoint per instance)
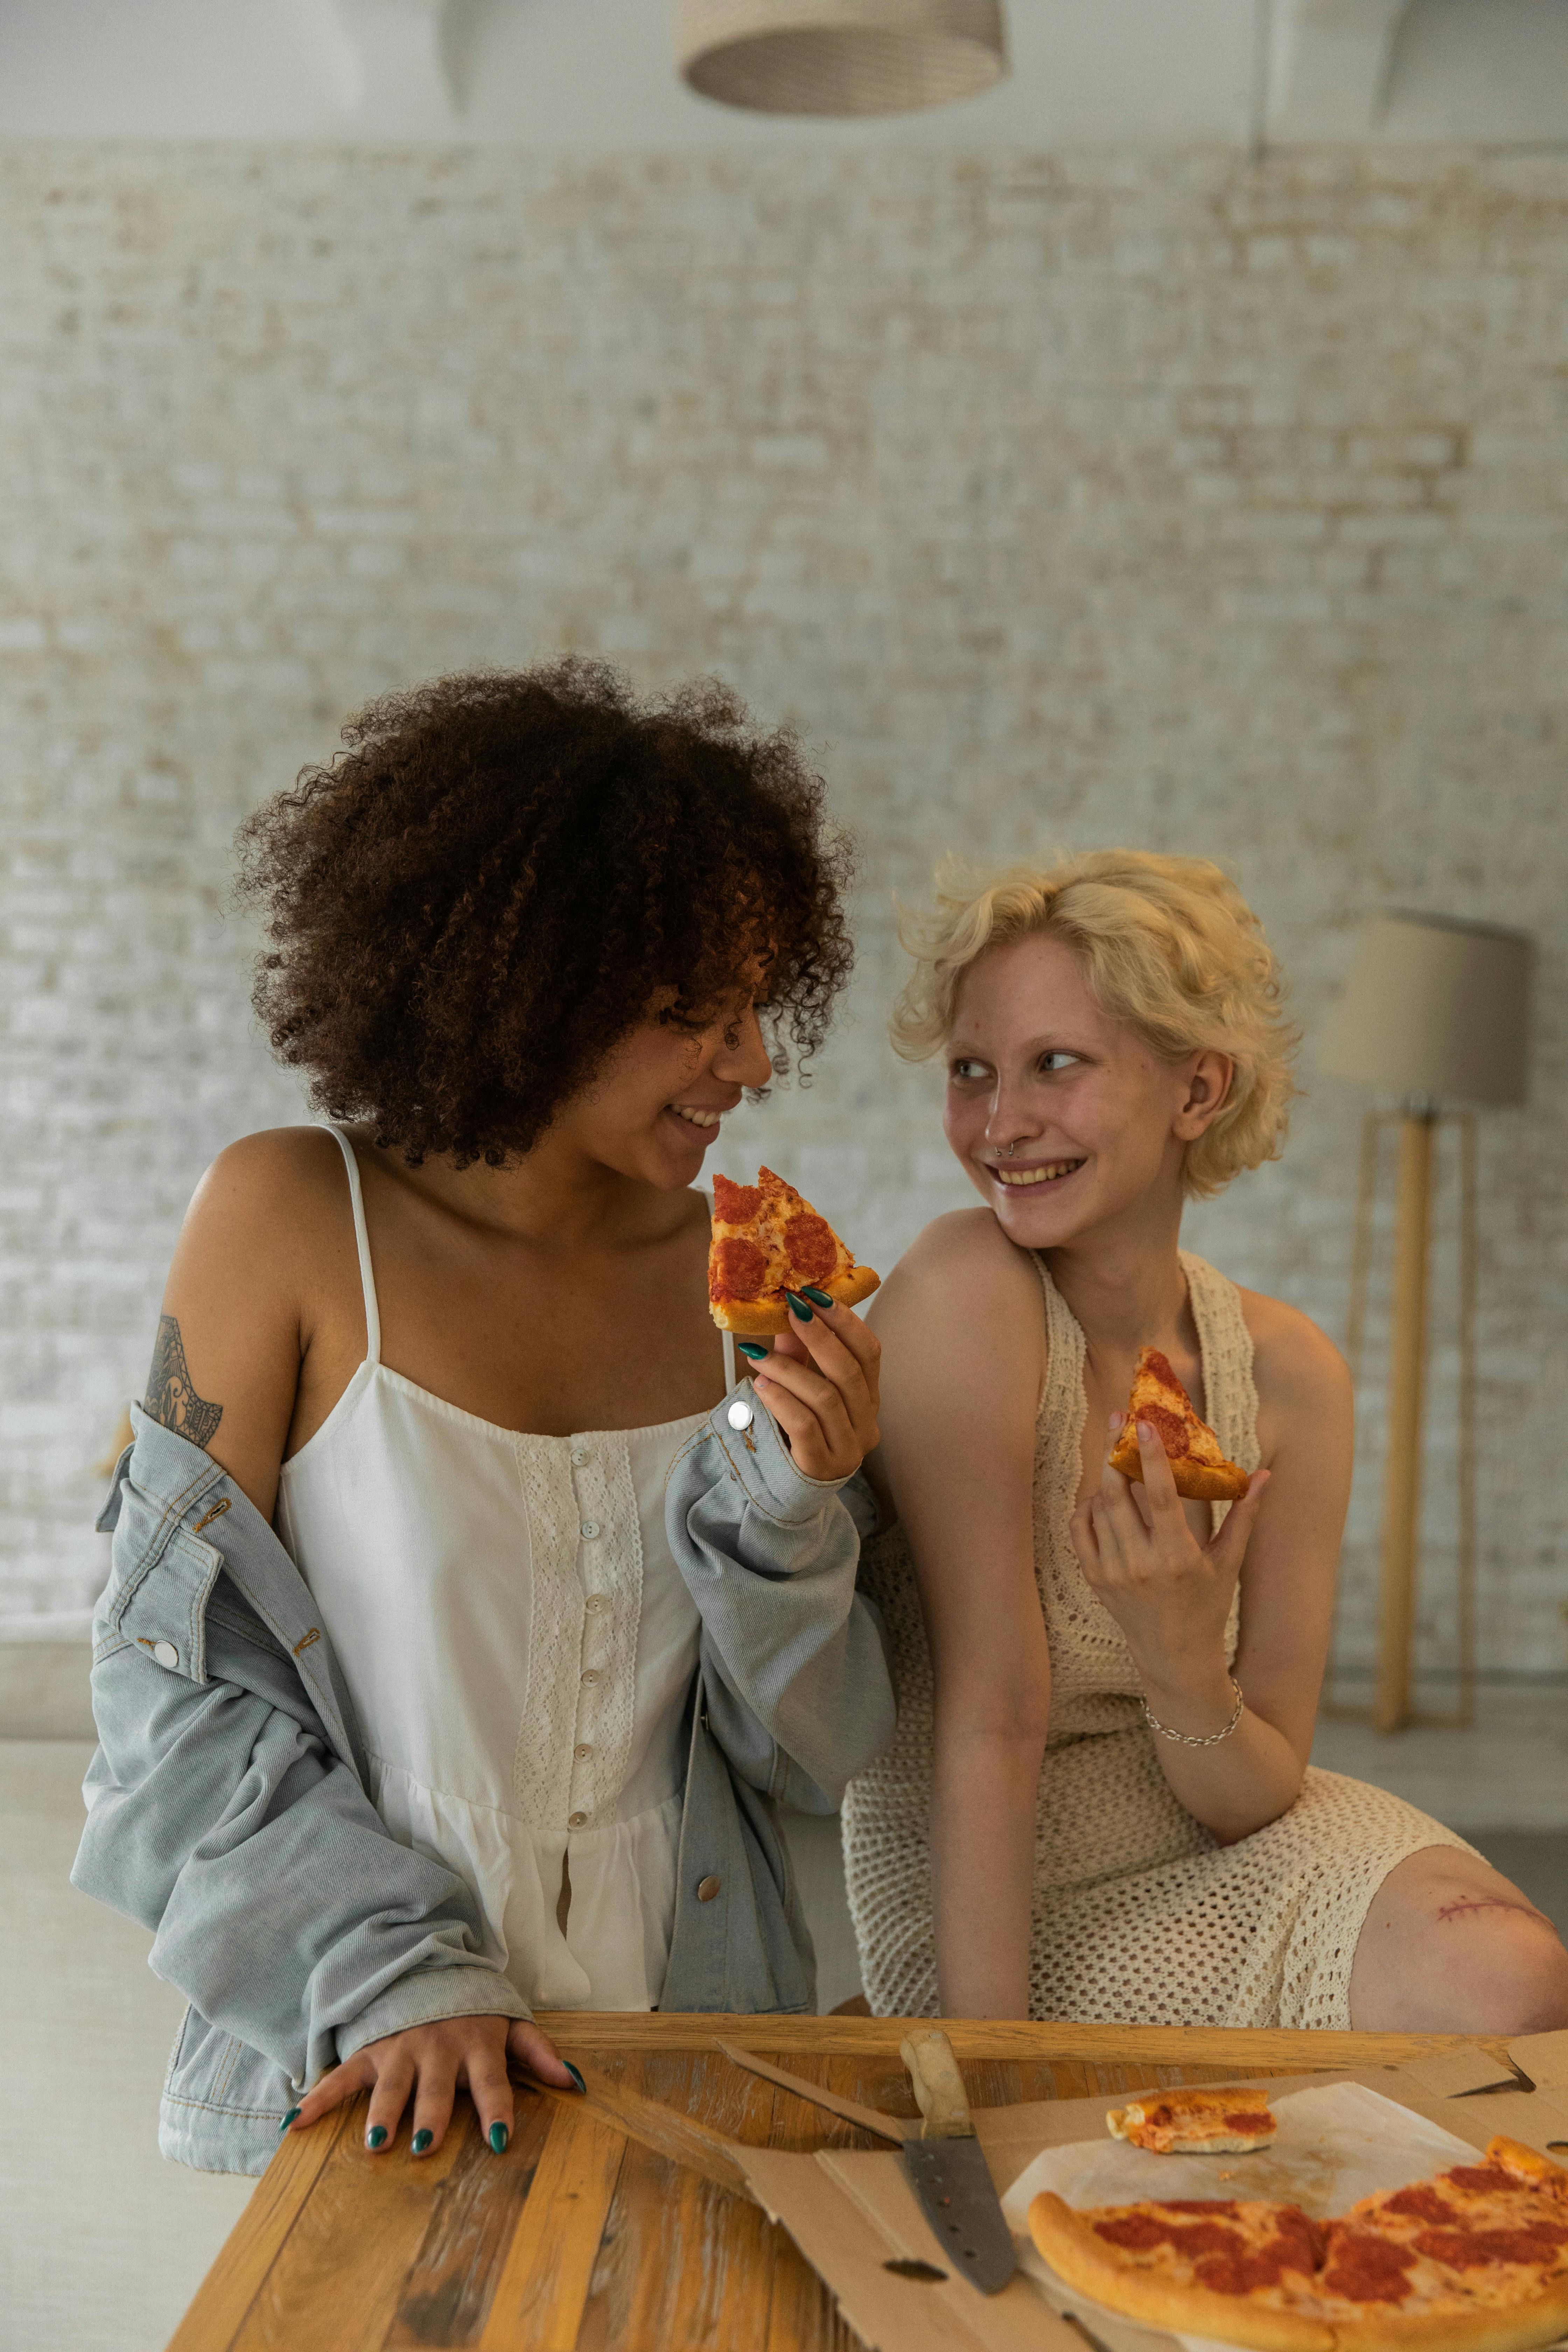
(1157, 498)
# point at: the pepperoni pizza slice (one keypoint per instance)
(1197, 1465)
(1475, 2261)
(768, 1239)
(1194, 2123)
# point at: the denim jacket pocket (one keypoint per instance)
(163, 1610)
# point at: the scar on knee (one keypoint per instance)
(1491, 1903)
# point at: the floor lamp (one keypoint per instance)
(1434, 1011)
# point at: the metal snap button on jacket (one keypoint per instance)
(707, 1888)
(165, 1653)
(740, 1414)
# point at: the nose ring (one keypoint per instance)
(1011, 1148)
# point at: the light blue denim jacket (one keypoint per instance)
(228, 1808)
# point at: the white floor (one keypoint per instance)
(102, 2244)
(1508, 1771)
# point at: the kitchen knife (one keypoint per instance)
(946, 2166)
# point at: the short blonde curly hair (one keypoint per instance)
(1169, 944)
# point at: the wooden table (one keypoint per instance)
(579, 2239)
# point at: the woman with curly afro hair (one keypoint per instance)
(438, 1376)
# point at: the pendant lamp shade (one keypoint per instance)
(840, 56)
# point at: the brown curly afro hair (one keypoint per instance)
(506, 871)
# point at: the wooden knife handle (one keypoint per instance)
(939, 2086)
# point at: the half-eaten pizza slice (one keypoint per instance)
(766, 1240)
(1194, 2122)
(1198, 1466)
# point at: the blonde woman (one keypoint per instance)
(1098, 1804)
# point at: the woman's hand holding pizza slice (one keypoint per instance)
(820, 1384)
(776, 1266)
(1170, 1594)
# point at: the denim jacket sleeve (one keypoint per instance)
(226, 1808)
(795, 1666)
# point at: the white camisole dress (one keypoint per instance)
(520, 1645)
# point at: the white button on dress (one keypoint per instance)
(511, 1716)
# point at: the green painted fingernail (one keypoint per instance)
(499, 2137)
(799, 1306)
(817, 1298)
(422, 2141)
(575, 2076)
(376, 2136)
(292, 2116)
(749, 1348)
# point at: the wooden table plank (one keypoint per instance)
(1241, 2048)
(686, 2261)
(255, 2242)
(447, 2296)
(549, 2267)
(335, 2284)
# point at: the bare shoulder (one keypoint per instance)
(269, 1195)
(287, 1164)
(963, 1268)
(1295, 1365)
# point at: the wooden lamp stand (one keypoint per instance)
(1418, 1126)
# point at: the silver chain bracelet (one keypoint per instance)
(1186, 1737)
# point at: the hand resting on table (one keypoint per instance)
(430, 2063)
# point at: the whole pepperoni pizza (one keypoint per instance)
(767, 1239)
(1475, 2261)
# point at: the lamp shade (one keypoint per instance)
(839, 57)
(1433, 1009)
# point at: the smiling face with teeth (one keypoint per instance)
(1065, 1121)
(654, 1107)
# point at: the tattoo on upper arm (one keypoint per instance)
(171, 1393)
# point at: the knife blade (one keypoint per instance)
(946, 2166)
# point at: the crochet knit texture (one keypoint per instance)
(1137, 1915)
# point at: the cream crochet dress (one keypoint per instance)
(1139, 1917)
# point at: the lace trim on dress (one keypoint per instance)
(574, 1743)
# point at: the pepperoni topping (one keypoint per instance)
(812, 1250)
(1263, 2123)
(1421, 2203)
(1158, 1363)
(1485, 2180)
(1476, 2250)
(1140, 2232)
(1168, 1427)
(739, 1270)
(735, 1204)
(1366, 2269)
(1295, 2246)
(1219, 2253)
